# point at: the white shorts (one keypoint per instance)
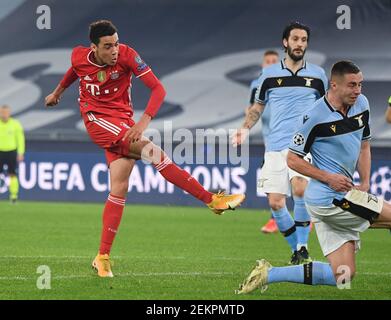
(335, 226)
(275, 174)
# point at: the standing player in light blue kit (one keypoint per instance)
(287, 89)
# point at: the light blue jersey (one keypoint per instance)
(288, 95)
(334, 141)
(266, 112)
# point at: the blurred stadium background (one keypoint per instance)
(206, 53)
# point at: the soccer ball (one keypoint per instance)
(298, 139)
(381, 183)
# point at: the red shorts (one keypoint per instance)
(107, 133)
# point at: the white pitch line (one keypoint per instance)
(15, 278)
(165, 274)
(130, 274)
(124, 257)
(89, 257)
(387, 274)
(46, 257)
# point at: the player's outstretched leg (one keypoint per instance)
(313, 273)
(120, 170)
(341, 266)
(218, 203)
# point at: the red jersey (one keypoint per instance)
(105, 89)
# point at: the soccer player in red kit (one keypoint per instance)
(105, 70)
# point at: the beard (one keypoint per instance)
(294, 56)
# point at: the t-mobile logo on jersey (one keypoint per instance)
(93, 89)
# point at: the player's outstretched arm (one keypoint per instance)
(338, 182)
(253, 113)
(54, 98)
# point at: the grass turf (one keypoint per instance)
(162, 252)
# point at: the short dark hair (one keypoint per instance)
(101, 28)
(270, 52)
(295, 25)
(343, 67)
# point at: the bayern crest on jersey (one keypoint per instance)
(114, 75)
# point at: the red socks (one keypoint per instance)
(114, 207)
(182, 179)
(112, 214)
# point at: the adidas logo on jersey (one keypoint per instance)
(87, 78)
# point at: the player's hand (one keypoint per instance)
(20, 157)
(363, 187)
(239, 136)
(134, 133)
(339, 182)
(51, 100)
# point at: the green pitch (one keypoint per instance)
(162, 252)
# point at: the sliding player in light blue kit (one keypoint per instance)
(336, 132)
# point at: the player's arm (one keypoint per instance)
(364, 159)
(54, 98)
(364, 166)
(388, 111)
(338, 182)
(155, 101)
(253, 113)
(301, 145)
(252, 99)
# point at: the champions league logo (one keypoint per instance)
(381, 183)
(298, 139)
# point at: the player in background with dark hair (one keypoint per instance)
(105, 70)
(337, 134)
(287, 88)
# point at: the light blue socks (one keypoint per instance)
(314, 273)
(302, 222)
(286, 225)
